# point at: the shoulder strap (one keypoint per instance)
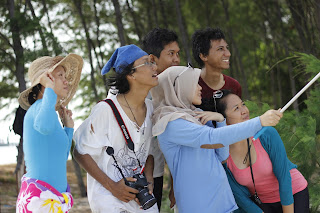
(122, 126)
(251, 166)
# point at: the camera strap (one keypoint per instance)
(123, 127)
(251, 166)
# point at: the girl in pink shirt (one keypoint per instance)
(277, 182)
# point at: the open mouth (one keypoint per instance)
(154, 75)
(226, 60)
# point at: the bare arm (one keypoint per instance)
(148, 171)
(288, 209)
(119, 189)
(171, 194)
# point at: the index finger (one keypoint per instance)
(49, 74)
(60, 110)
(131, 179)
(132, 190)
(279, 113)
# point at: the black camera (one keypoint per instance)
(255, 198)
(141, 184)
(146, 200)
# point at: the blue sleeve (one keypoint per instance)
(195, 135)
(273, 144)
(69, 131)
(222, 123)
(241, 195)
(46, 117)
(222, 153)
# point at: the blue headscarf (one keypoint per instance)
(122, 57)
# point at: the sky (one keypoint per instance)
(6, 132)
(6, 124)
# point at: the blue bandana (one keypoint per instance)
(122, 57)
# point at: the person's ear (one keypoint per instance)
(153, 58)
(203, 57)
(131, 76)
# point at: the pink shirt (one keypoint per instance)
(267, 185)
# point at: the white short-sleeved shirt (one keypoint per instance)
(101, 130)
(159, 161)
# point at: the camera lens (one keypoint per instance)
(146, 200)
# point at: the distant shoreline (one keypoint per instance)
(9, 144)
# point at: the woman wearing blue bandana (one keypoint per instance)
(107, 191)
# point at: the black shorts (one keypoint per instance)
(301, 204)
(157, 190)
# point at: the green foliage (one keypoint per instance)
(302, 143)
(7, 90)
(300, 132)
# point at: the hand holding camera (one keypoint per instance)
(131, 187)
(123, 192)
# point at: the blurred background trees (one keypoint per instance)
(263, 35)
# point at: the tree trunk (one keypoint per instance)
(17, 47)
(155, 14)
(149, 20)
(135, 21)
(278, 99)
(204, 4)
(183, 31)
(291, 78)
(56, 46)
(77, 171)
(225, 5)
(97, 19)
(286, 49)
(101, 63)
(163, 14)
(273, 89)
(300, 20)
(43, 40)
(277, 54)
(20, 167)
(89, 42)
(19, 64)
(119, 22)
(317, 15)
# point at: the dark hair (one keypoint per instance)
(208, 103)
(32, 96)
(201, 42)
(156, 39)
(120, 81)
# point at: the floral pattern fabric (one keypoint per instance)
(40, 197)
